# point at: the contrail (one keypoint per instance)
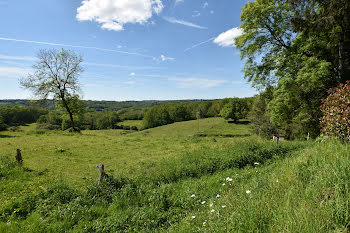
(196, 45)
(76, 46)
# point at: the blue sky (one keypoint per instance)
(132, 49)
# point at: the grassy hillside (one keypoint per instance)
(165, 180)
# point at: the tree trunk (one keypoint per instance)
(341, 69)
(70, 113)
(71, 119)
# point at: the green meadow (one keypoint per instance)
(172, 179)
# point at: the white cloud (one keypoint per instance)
(227, 39)
(164, 58)
(183, 22)
(205, 5)
(196, 14)
(211, 12)
(197, 82)
(112, 15)
(178, 2)
(132, 74)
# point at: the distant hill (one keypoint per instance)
(94, 105)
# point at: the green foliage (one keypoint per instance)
(286, 47)
(56, 74)
(235, 109)
(260, 116)
(170, 113)
(3, 126)
(130, 114)
(336, 113)
(16, 115)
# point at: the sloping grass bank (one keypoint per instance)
(162, 198)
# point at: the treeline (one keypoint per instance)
(234, 109)
(158, 115)
(93, 105)
(59, 120)
(15, 116)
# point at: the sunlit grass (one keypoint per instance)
(168, 179)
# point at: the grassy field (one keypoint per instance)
(137, 123)
(170, 179)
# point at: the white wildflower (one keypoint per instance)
(223, 206)
(205, 222)
(211, 205)
(203, 202)
(193, 195)
(212, 211)
(218, 195)
(256, 163)
(277, 180)
(223, 184)
(247, 192)
(193, 217)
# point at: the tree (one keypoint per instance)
(301, 48)
(3, 126)
(260, 117)
(56, 74)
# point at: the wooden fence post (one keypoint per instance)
(19, 157)
(102, 173)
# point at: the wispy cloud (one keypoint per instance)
(196, 45)
(178, 2)
(132, 74)
(130, 82)
(13, 72)
(205, 5)
(189, 82)
(75, 46)
(33, 59)
(124, 67)
(197, 82)
(183, 22)
(19, 58)
(196, 14)
(164, 58)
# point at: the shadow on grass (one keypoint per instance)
(242, 122)
(7, 136)
(223, 135)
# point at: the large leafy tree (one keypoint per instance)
(56, 74)
(301, 49)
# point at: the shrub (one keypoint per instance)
(336, 112)
(48, 126)
(126, 127)
(3, 126)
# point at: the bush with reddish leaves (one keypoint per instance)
(336, 113)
